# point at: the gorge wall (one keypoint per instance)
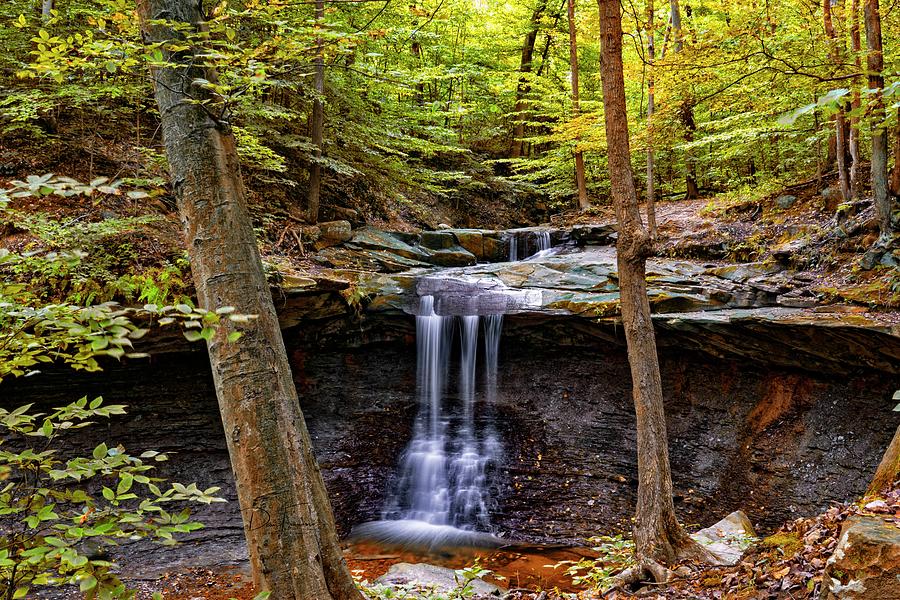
(774, 441)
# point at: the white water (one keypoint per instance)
(540, 241)
(443, 493)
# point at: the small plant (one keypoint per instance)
(615, 554)
(465, 579)
(59, 515)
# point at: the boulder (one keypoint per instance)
(332, 233)
(472, 240)
(594, 234)
(866, 561)
(438, 240)
(494, 248)
(370, 238)
(786, 201)
(439, 579)
(728, 539)
(454, 256)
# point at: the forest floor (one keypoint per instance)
(791, 563)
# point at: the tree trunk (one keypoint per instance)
(895, 174)
(651, 108)
(658, 536)
(583, 202)
(288, 522)
(317, 123)
(420, 87)
(875, 65)
(839, 120)
(855, 103)
(686, 112)
(46, 8)
(518, 145)
(888, 470)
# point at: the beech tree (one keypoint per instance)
(835, 54)
(855, 102)
(288, 522)
(583, 202)
(525, 66)
(874, 67)
(651, 107)
(658, 536)
(317, 121)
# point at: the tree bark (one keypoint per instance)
(525, 65)
(834, 54)
(874, 67)
(686, 112)
(583, 202)
(888, 470)
(895, 174)
(651, 108)
(46, 9)
(317, 123)
(657, 534)
(288, 523)
(855, 103)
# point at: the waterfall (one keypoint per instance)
(443, 494)
(539, 240)
(513, 248)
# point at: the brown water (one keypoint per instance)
(530, 567)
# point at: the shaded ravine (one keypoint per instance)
(775, 442)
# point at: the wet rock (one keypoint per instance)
(495, 249)
(472, 240)
(742, 272)
(786, 201)
(453, 256)
(866, 561)
(594, 234)
(432, 577)
(374, 239)
(332, 233)
(438, 240)
(728, 539)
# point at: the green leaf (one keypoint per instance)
(100, 451)
(88, 583)
(125, 482)
(109, 494)
(234, 336)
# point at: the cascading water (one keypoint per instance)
(539, 240)
(443, 493)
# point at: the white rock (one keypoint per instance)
(440, 579)
(728, 539)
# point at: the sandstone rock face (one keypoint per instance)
(728, 539)
(439, 579)
(866, 562)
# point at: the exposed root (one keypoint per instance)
(649, 571)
